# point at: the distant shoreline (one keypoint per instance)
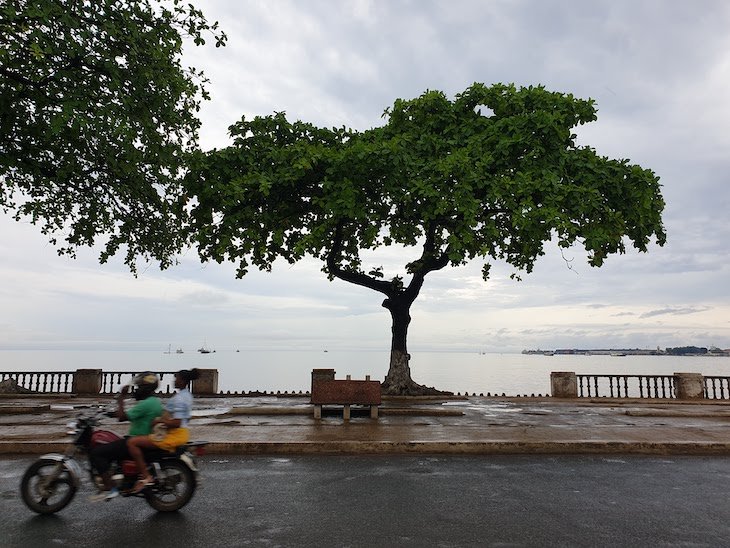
(684, 351)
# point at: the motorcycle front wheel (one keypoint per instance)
(173, 489)
(47, 486)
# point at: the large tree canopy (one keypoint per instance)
(97, 119)
(491, 175)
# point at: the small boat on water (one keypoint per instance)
(179, 351)
(204, 349)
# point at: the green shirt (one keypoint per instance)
(142, 415)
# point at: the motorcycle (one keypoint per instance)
(50, 483)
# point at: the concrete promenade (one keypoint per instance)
(473, 425)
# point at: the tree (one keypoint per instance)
(491, 175)
(98, 119)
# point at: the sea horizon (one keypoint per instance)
(288, 370)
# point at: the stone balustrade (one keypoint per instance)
(680, 386)
(88, 382)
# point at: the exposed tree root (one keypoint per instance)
(410, 388)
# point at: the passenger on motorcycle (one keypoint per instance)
(175, 432)
(141, 417)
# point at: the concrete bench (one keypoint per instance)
(345, 392)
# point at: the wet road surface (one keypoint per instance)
(409, 500)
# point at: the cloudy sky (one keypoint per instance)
(658, 70)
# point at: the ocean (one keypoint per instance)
(271, 371)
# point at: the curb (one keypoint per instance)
(337, 411)
(424, 447)
(469, 448)
(32, 447)
(24, 409)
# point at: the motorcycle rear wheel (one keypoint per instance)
(42, 492)
(173, 489)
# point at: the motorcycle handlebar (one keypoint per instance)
(97, 410)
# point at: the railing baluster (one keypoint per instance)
(589, 385)
(649, 386)
(60, 382)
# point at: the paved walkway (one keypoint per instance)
(473, 425)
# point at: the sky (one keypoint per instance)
(659, 72)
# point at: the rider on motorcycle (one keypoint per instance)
(175, 432)
(140, 416)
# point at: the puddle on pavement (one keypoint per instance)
(210, 411)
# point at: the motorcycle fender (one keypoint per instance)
(188, 459)
(71, 466)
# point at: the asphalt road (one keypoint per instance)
(403, 501)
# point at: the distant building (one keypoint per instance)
(678, 351)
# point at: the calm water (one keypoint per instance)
(511, 374)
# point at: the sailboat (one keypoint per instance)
(169, 350)
(204, 349)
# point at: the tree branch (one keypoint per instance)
(351, 276)
(429, 261)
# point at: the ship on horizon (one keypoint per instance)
(681, 351)
(204, 349)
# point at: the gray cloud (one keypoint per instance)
(659, 72)
(671, 311)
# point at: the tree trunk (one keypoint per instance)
(398, 302)
(398, 382)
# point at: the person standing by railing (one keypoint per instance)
(169, 431)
